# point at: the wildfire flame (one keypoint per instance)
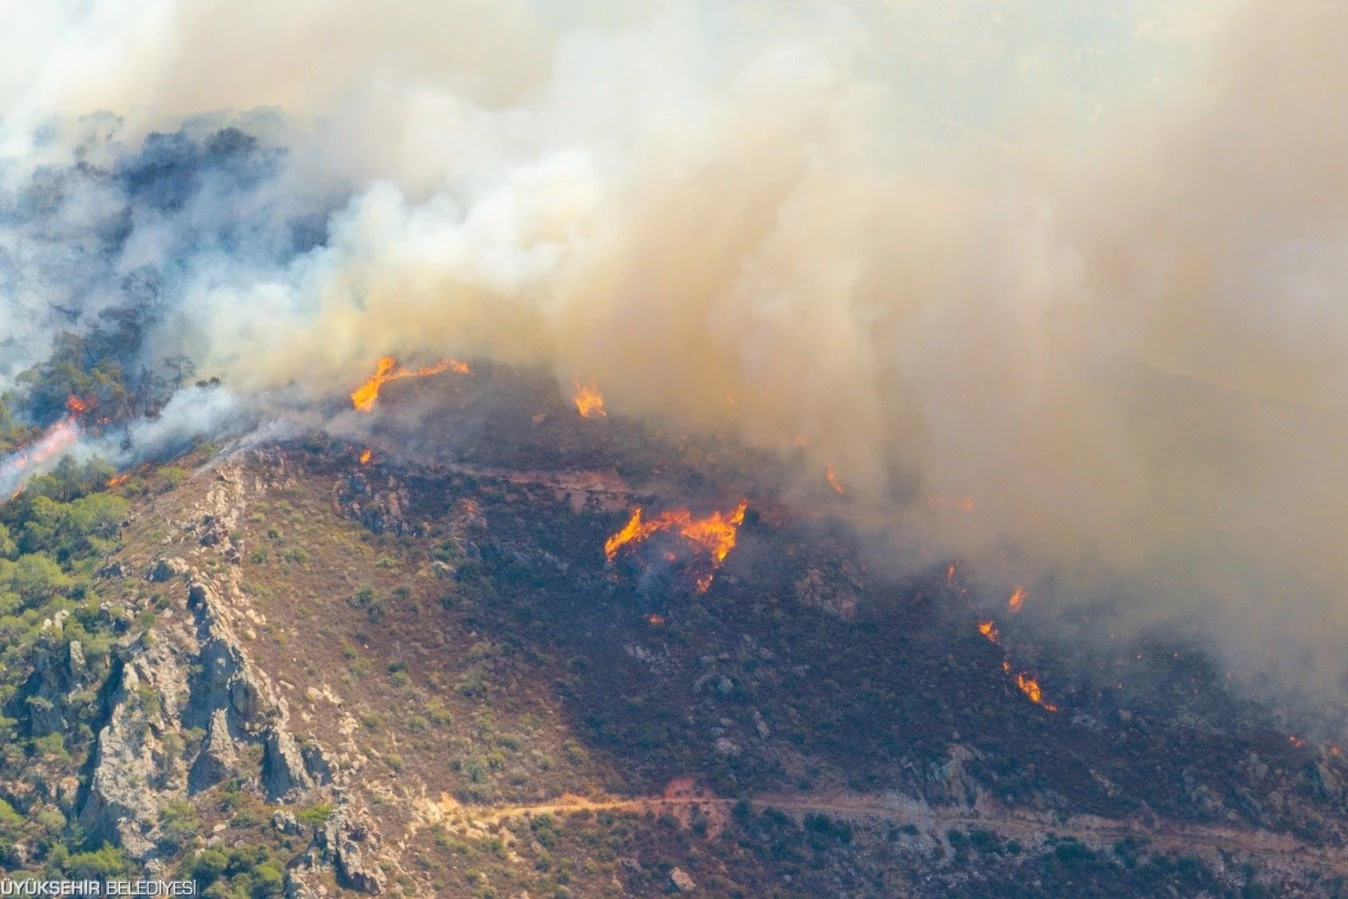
(365, 457)
(1296, 741)
(589, 401)
(655, 620)
(831, 474)
(19, 466)
(387, 369)
(1025, 682)
(119, 480)
(75, 405)
(714, 534)
(1030, 687)
(1017, 600)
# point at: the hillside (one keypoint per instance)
(418, 674)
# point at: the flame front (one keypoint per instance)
(119, 480)
(715, 534)
(1024, 682)
(1030, 687)
(831, 474)
(1017, 600)
(21, 465)
(589, 401)
(365, 457)
(364, 397)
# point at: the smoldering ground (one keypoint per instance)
(1081, 268)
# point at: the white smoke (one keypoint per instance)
(1077, 264)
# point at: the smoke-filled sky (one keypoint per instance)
(1081, 262)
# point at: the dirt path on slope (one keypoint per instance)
(680, 800)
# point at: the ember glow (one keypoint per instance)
(831, 474)
(714, 535)
(589, 401)
(1017, 600)
(19, 466)
(387, 369)
(365, 457)
(989, 630)
(75, 405)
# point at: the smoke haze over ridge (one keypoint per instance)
(1081, 263)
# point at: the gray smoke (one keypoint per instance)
(1079, 267)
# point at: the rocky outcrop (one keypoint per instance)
(283, 772)
(194, 674)
(379, 511)
(133, 771)
(348, 845)
(680, 881)
(165, 569)
(218, 757)
(59, 669)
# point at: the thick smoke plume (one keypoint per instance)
(1081, 266)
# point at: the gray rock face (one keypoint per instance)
(283, 773)
(193, 674)
(352, 846)
(122, 804)
(218, 757)
(166, 570)
(316, 762)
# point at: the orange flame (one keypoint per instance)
(831, 474)
(119, 480)
(589, 401)
(714, 534)
(1296, 741)
(16, 468)
(1017, 599)
(655, 620)
(1025, 682)
(365, 457)
(363, 399)
(76, 405)
(1030, 687)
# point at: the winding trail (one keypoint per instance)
(681, 800)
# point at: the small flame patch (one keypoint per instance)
(589, 401)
